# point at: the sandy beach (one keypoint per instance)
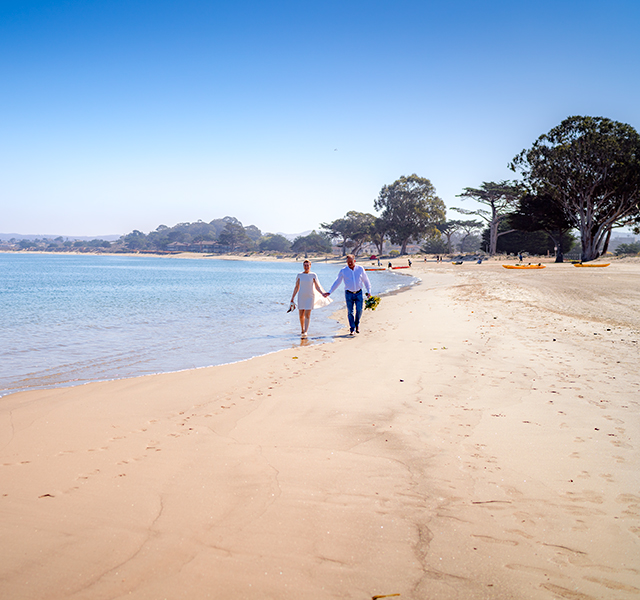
(479, 439)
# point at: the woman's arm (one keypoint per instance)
(317, 284)
(295, 289)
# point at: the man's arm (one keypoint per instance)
(365, 279)
(336, 283)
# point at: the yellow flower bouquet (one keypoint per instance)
(372, 302)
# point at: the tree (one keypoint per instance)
(219, 224)
(469, 238)
(632, 248)
(591, 167)
(500, 198)
(274, 242)
(234, 236)
(542, 213)
(361, 227)
(253, 232)
(354, 229)
(337, 230)
(410, 208)
(531, 242)
(136, 240)
(314, 242)
(378, 234)
(448, 229)
(434, 245)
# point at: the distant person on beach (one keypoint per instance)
(306, 284)
(354, 278)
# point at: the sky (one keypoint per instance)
(118, 115)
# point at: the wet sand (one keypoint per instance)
(478, 439)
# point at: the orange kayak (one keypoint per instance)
(524, 266)
(590, 265)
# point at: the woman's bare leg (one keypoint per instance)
(305, 316)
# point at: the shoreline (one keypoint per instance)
(289, 339)
(473, 441)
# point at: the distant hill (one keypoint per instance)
(5, 237)
(293, 236)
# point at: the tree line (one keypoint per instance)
(582, 176)
(221, 235)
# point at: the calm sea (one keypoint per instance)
(67, 319)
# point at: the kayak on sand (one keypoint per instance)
(524, 266)
(589, 265)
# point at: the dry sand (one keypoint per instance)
(479, 439)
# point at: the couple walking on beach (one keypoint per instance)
(354, 278)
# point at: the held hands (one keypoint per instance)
(326, 294)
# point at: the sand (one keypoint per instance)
(479, 439)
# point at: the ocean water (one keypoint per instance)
(69, 319)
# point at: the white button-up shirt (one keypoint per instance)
(354, 279)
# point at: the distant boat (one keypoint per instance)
(405, 267)
(375, 269)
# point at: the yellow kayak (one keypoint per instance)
(590, 265)
(524, 266)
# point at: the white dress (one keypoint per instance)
(308, 296)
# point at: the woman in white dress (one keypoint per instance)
(306, 285)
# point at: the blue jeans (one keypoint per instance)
(353, 300)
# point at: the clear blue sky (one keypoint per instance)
(126, 114)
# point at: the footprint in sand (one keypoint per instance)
(492, 540)
(586, 496)
(95, 472)
(524, 534)
(530, 569)
(620, 444)
(613, 585)
(628, 498)
(580, 526)
(566, 593)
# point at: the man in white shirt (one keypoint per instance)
(354, 278)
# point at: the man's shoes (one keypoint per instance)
(351, 332)
(357, 330)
